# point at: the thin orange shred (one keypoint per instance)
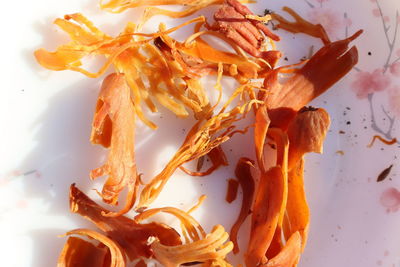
(383, 140)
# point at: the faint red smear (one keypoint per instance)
(390, 199)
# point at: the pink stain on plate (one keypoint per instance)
(390, 199)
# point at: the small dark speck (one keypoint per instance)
(201, 184)
(348, 108)
(230, 150)
(355, 135)
(336, 240)
(348, 123)
(161, 117)
(183, 130)
(303, 58)
(325, 102)
(208, 160)
(365, 127)
(342, 132)
(382, 149)
(286, 59)
(369, 53)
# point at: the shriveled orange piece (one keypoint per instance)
(289, 255)
(131, 236)
(297, 211)
(307, 133)
(247, 183)
(81, 253)
(324, 69)
(266, 213)
(117, 256)
(114, 128)
(260, 133)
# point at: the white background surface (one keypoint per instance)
(45, 120)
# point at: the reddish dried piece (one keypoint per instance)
(114, 128)
(246, 33)
(81, 253)
(131, 236)
(232, 190)
(247, 183)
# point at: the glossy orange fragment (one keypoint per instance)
(289, 255)
(266, 212)
(298, 213)
(324, 69)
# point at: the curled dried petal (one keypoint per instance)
(131, 236)
(81, 253)
(114, 127)
(117, 255)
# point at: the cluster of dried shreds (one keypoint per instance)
(155, 67)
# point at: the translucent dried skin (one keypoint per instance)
(116, 253)
(324, 69)
(247, 183)
(131, 236)
(81, 253)
(201, 139)
(307, 133)
(114, 128)
(212, 247)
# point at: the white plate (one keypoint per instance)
(45, 120)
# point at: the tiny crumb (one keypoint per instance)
(348, 108)
(369, 53)
(340, 152)
(365, 127)
(342, 132)
(348, 122)
(286, 59)
(339, 227)
(336, 240)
